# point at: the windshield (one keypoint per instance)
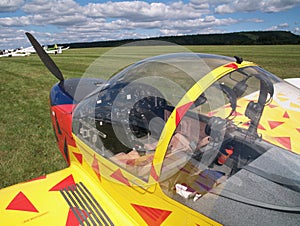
(125, 118)
(213, 133)
(235, 143)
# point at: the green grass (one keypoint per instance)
(27, 144)
(281, 60)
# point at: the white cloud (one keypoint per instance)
(283, 26)
(255, 20)
(57, 7)
(196, 25)
(272, 28)
(15, 21)
(142, 11)
(210, 2)
(10, 5)
(127, 19)
(12, 38)
(269, 6)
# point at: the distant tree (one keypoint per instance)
(237, 38)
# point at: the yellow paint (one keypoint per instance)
(118, 198)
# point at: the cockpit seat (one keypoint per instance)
(179, 151)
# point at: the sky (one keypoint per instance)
(68, 21)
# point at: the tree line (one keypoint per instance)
(236, 38)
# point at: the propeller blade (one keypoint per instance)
(46, 59)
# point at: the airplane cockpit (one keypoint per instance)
(206, 133)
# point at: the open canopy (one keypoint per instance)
(200, 125)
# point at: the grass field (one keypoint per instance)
(27, 143)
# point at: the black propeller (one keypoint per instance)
(46, 59)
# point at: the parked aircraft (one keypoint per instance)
(176, 139)
(55, 50)
(12, 53)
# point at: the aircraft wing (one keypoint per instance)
(65, 197)
(294, 81)
(71, 197)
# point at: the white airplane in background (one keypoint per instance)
(13, 53)
(55, 50)
(29, 50)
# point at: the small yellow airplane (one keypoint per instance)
(176, 139)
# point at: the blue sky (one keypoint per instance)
(66, 21)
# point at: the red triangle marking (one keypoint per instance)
(232, 65)
(72, 219)
(120, 177)
(22, 203)
(272, 106)
(96, 168)
(68, 181)
(286, 115)
(78, 157)
(95, 165)
(274, 124)
(181, 111)
(152, 216)
(261, 127)
(298, 130)
(284, 141)
(153, 172)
